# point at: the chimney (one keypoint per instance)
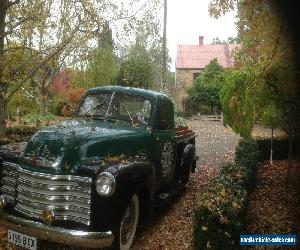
(201, 38)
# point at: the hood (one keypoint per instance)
(63, 148)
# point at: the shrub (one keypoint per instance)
(38, 120)
(219, 217)
(247, 155)
(74, 95)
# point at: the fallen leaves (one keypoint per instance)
(274, 206)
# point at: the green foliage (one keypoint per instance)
(135, 73)
(219, 217)
(207, 85)
(230, 40)
(136, 70)
(102, 67)
(237, 100)
(271, 116)
(254, 95)
(20, 105)
(37, 119)
(247, 154)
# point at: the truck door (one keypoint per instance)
(164, 142)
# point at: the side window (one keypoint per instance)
(165, 118)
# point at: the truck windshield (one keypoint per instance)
(134, 109)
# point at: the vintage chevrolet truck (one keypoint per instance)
(89, 180)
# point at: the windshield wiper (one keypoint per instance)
(122, 104)
(109, 105)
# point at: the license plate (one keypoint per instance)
(21, 240)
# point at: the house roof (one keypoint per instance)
(198, 56)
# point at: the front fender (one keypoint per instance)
(130, 178)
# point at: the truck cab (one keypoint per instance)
(89, 180)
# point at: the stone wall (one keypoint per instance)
(184, 79)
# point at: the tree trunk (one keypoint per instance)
(41, 98)
(43, 104)
(3, 9)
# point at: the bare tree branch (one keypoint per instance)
(11, 30)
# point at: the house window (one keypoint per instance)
(195, 75)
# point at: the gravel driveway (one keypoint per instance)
(171, 227)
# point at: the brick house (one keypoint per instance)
(191, 59)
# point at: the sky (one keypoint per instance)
(189, 19)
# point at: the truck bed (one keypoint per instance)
(184, 134)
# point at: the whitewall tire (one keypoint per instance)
(129, 223)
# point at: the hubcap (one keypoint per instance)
(128, 223)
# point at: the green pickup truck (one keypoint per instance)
(88, 181)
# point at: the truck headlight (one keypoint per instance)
(105, 184)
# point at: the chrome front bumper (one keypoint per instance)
(56, 234)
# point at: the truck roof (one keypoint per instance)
(128, 90)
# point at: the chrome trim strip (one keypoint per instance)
(51, 177)
(10, 174)
(8, 189)
(11, 165)
(57, 234)
(53, 187)
(49, 192)
(56, 197)
(55, 207)
(9, 181)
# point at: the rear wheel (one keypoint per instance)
(186, 178)
(128, 224)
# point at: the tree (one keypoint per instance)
(230, 40)
(237, 98)
(207, 85)
(136, 70)
(101, 67)
(266, 77)
(102, 64)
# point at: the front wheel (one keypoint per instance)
(128, 225)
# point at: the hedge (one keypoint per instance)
(219, 216)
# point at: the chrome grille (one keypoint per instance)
(68, 196)
(8, 182)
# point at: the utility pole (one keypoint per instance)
(164, 73)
